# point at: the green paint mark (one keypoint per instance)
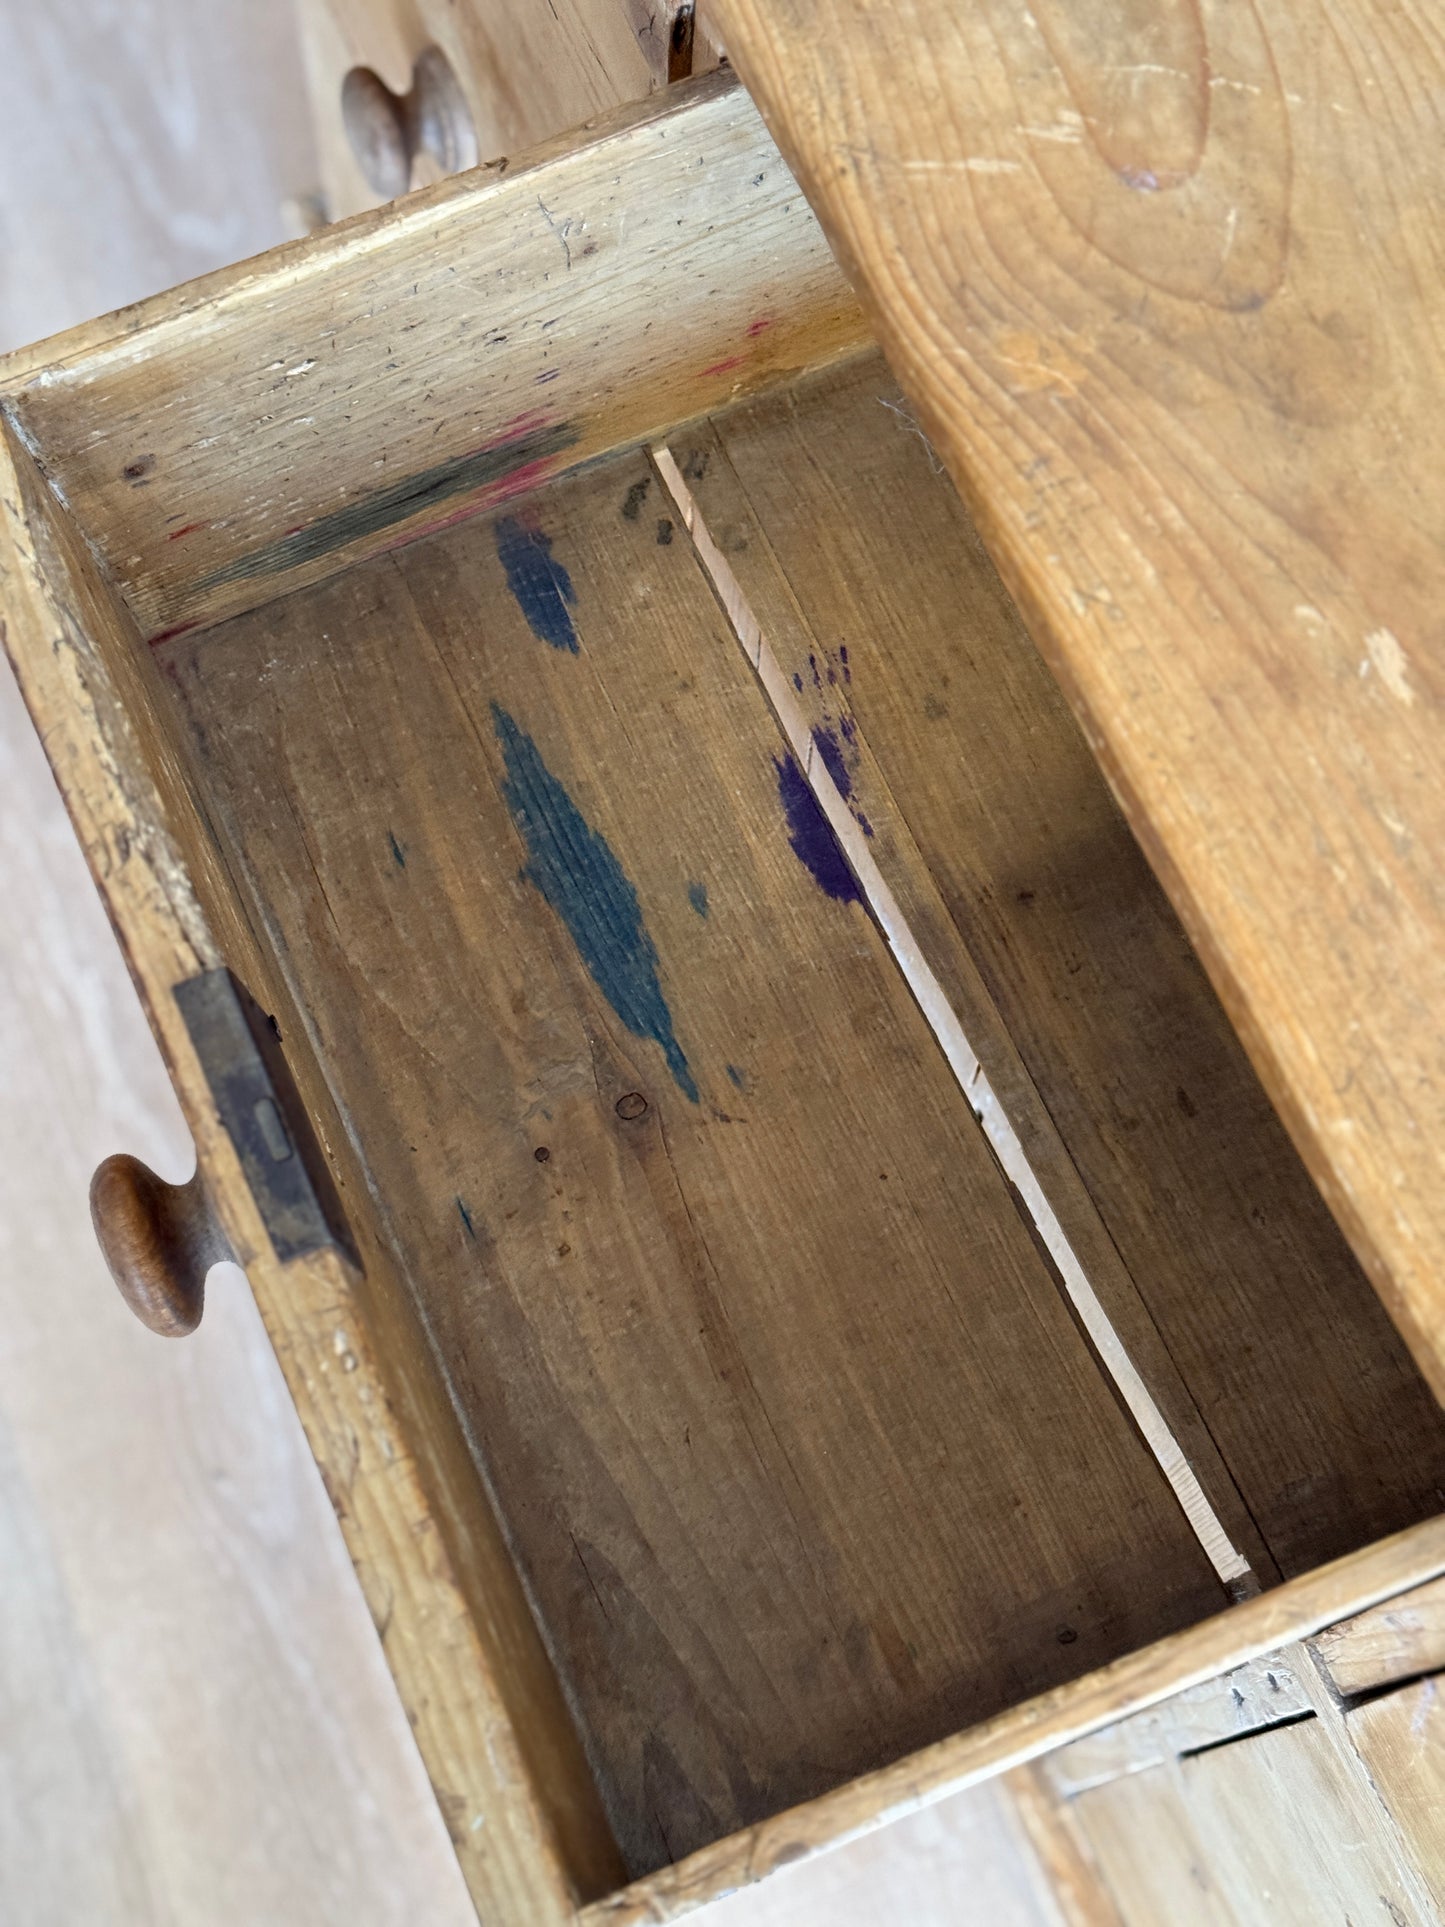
(578, 875)
(384, 507)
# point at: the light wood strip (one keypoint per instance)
(268, 425)
(1197, 1225)
(1287, 1613)
(1170, 321)
(820, 755)
(1395, 1641)
(799, 1449)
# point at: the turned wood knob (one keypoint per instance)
(159, 1240)
(390, 132)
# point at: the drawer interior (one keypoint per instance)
(793, 1428)
(798, 1169)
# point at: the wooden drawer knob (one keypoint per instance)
(389, 132)
(159, 1240)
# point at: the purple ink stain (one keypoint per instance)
(811, 835)
(843, 658)
(831, 751)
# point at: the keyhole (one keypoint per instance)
(390, 133)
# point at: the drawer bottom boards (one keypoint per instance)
(802, 1438)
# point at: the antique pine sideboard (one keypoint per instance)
(619, 704)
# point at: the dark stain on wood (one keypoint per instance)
(577, 873)
(539, 583)
(502, 461)
(811, 835)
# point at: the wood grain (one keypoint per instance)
(1401, 1739)
(464, 1655)
(972, 1859)
(1247, 1699)
(1091, 1014)
(710, 1246)
(199, 1723)
(1391, 1642)
(1274, 1619)
(1168, 319)
(159, 1241)
(1052, 1828)
(403, 370)
(1279, 1830)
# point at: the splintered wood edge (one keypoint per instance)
(449, 1656)
(1389, 1644)
(1291, 1612)
(271, 425)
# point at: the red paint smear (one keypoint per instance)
(190, 529)
(169, 635)
(722, 367)
(760, 326)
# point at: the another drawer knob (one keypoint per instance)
(159, 1240)
(389, 132)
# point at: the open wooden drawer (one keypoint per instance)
(778, 1252)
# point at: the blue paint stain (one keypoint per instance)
(811, 835)
(540, 583)
(830, 750)
(735, 1075)
(697, 897)
(582, 880)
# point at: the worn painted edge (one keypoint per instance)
(1295, 1611)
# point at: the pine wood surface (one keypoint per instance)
(684, 1184)
(1164, 290)
(269, 424)
(1096, 1025)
